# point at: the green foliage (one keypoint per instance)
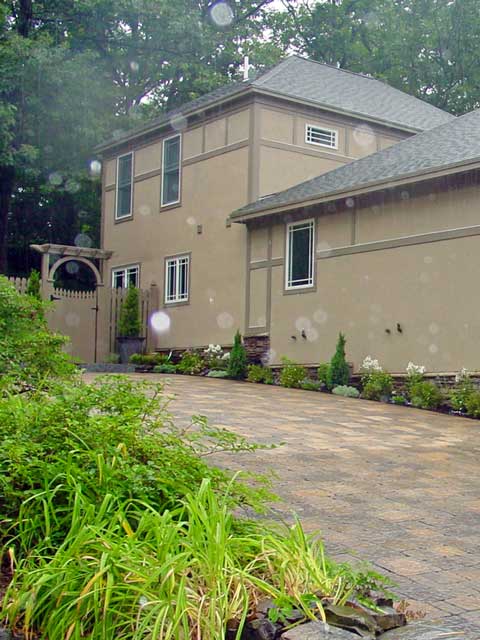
(292, 374)
(33, 285)
(113, 358)
(165, 368)
(377, 385)
(338, 372)
(112, 437)
(307, 384)
(127, 570)
(323, 370)
(398, 400)
(472, 404)
(258, 373)
(237, 364)
(217, 373)
(425, 395)
(149, 359)
(346, 391)
(462, 391)
(129, 325)
(191, 363)
(30, 354)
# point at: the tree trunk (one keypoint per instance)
(7, 178)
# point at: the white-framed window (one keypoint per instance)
(123, 277)
(177, 279)
(300, 254)
(124, 195)
(321, 136)
(171, 157)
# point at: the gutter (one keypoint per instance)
(368, 187)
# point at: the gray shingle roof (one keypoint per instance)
(350, 92)
(322, 85)
(456, 142)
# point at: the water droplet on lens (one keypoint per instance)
(82, 240)
(55, 178)
(95, 168)
(221, 13)
(225, 320)
(160, 321)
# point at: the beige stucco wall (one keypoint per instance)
(227, 159)
(428, 288)
(287, 159)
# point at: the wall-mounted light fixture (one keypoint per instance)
(399, 328)
(304, 334)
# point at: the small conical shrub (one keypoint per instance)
(33, 285)
(338, 372)
(129, 325)
(237, 365)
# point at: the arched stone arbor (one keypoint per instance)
(65, 253)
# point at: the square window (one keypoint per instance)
(300, 255)
(123, 277)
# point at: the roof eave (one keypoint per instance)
(104, 146)
(370, 187)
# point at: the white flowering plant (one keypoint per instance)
(415, 370)
(370, 364)
(214, 356)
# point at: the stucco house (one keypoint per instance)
(358, 236)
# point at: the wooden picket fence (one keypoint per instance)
(20, 284)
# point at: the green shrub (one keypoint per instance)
(258, 373)
(472, 404)
(425, 395)
(149, 359)
(30, 354)
(292, 374)
(463, 389)
(237, 363)
(165, 368)
(307, 384)
(346, 391)
(323, 370)
(129, 325)
(377, 385)
(398, 399)
(338, 371)
(217, 373)
(191, 363)
(113, 358)
(33, 285)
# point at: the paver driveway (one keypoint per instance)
(398, 486)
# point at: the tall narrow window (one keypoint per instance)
(300, 255)
(123, 277)
(171, 171)
(124, 186)
(177, 279)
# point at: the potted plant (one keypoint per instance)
(129, 327)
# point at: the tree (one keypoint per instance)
(33, 285)
(237, 363)
(338, 372)
(129, 325)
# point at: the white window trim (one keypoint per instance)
(168, 204)
(321, 144)
(288, 285)
(125, 268)
(129, 215)
(176, 259)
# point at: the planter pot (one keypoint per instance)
(128, 346)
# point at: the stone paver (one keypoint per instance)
(396, 486)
